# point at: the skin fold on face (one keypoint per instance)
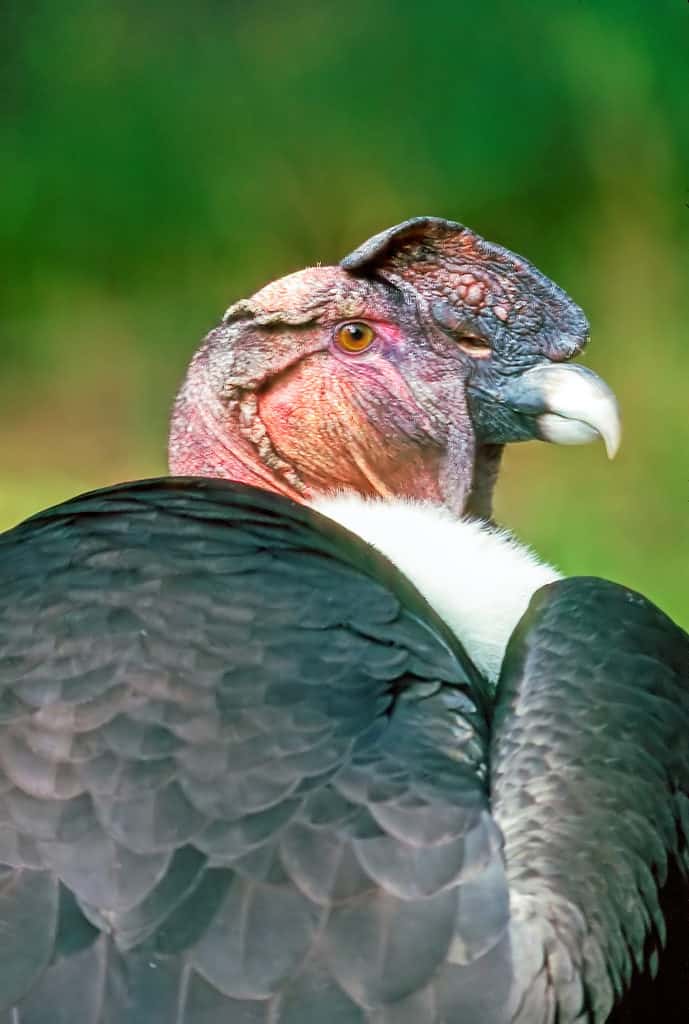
(402, 372)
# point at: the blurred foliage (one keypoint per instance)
(161, 160)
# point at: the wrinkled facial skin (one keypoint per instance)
(471, 287)
(272, 399)
(384, 421)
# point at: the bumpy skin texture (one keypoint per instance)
(474, 288)
(269, 399)
(247, 775)
(471, 285)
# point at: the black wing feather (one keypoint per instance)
(590, 780)
(250, 753)
(244, 775)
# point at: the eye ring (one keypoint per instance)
(354, 337)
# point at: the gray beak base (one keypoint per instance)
(570, 404)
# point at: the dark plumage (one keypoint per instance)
(249, 776)
(245, 746)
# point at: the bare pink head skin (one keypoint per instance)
(454, 325)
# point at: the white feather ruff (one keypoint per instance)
(477, 577)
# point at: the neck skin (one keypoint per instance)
(205, 438)
(486, 468)
(209, 437)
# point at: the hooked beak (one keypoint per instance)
(563, 403)
(569, 404)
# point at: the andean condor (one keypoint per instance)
(253, 772)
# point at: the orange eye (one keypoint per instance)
(354, 337)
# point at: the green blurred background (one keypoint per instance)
(162, 160)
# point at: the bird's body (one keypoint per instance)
(297, 809)
(253, 772)
(477, 577)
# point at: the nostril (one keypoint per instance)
(476, 347)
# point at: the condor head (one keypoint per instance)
(402, 371)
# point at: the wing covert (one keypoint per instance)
(251, 756)
(590, 786)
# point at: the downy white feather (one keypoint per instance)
(477, 577)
